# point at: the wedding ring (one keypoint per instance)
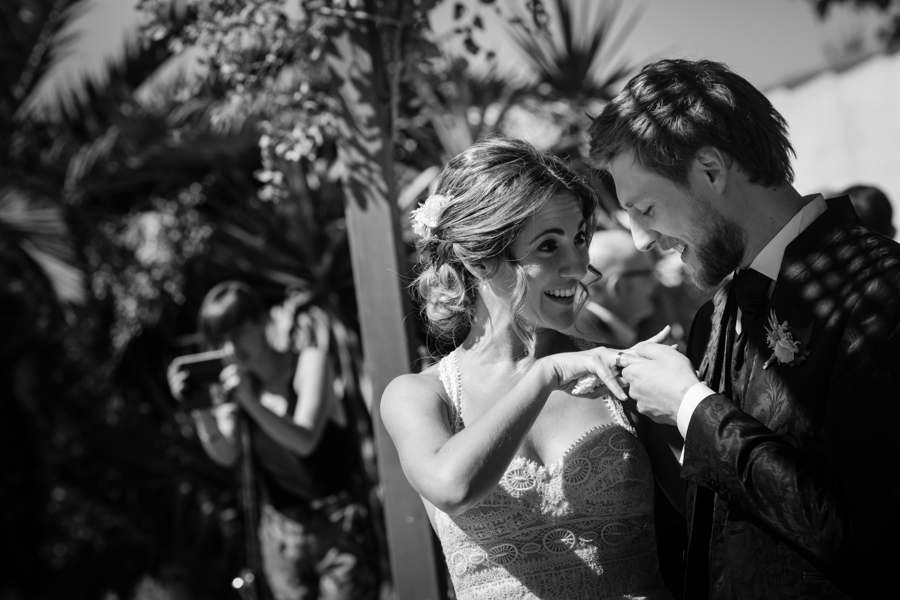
(619, 359)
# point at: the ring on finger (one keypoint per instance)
(619, 360)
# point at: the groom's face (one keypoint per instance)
(674, 217)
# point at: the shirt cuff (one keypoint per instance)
(694, 396)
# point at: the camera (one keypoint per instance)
(202, 370)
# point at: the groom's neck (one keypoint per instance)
(763, 212)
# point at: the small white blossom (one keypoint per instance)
(425, 218)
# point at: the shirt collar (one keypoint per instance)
(768, 262)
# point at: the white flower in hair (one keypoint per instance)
(425, 218)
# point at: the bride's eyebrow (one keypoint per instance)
(556, 231)
(552, 230)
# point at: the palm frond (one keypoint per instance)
(87, 113)
(32, 37)
(575, 56)
(95, 130)
(459, 107)
(40, 231)
(66, 279)
(121, 171)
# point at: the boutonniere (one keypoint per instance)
(785, 349)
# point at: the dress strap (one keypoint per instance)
(448, 370)
(615, 407)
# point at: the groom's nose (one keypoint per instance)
(644, 239)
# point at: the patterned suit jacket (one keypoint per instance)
(793, 486)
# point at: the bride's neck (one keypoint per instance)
(494, 338)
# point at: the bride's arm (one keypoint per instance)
(455, 472)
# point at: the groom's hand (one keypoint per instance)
(659, 377)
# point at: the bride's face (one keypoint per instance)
(553, 251)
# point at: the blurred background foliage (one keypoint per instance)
(122, 204)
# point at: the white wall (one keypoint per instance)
(845, 128)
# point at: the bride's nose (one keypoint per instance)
(575, 264)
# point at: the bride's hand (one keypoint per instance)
(587, 369)
(579, 373)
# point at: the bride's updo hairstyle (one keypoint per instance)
(484, 197)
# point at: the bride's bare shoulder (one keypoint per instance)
(423, 385)
(414, 396)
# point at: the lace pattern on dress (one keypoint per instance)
(580, 528)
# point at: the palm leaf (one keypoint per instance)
(160, 165)
(93, 136)
(87, 113)
(40, 231)
(31, 34)
(449, 108)
(577, 60)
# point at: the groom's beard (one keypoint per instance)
(720, 254)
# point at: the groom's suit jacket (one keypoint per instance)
(793, 470)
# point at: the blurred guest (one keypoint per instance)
(873, 207)
(304, 455)
(623, 296)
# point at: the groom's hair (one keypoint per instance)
(672, 108)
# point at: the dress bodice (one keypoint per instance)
(580, 528)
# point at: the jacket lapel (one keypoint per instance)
(719, 343)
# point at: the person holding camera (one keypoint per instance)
(312, 535)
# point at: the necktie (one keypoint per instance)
(751, 292)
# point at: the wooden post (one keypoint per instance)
(354, 59)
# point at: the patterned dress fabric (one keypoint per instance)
(581, 528)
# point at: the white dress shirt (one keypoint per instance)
(767, 262)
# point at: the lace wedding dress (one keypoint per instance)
(581, 528)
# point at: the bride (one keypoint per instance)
(530, 471)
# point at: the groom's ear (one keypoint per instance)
(713, 166)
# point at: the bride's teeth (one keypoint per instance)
(561, 293)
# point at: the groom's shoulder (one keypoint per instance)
(857, 255)
(873, 258)
(870, 291)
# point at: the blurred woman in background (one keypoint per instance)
(305, 457)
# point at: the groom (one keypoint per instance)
(791, 452)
